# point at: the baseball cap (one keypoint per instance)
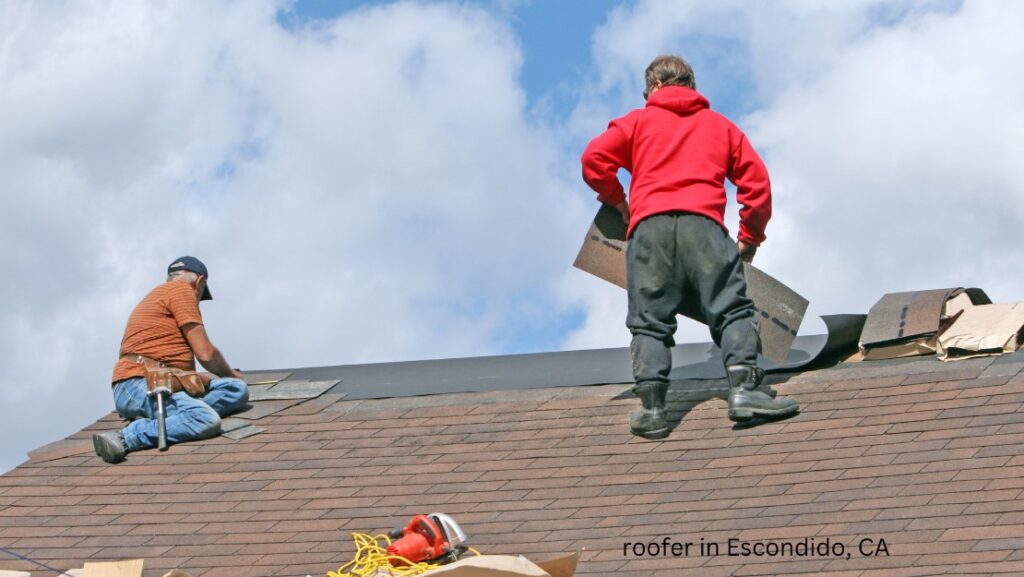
(193, 264)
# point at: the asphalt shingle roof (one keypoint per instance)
(928, 456)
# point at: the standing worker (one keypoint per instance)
(680, 257)
(165, 331)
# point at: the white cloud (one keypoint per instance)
(366, 188)
(371, 188)
(890, 133)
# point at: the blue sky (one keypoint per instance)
(554, 36)
(555, 41)
(374, 181)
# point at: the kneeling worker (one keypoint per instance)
(680, 257)
(166, 331)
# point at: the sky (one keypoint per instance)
(389, 181)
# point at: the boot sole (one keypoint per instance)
(743, 415)
(651, 435)
(105, 451)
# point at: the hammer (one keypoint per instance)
(161, 415)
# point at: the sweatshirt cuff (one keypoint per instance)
(746, 239)
(613, 199)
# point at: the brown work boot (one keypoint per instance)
(110, 446)
(748, 399)
(649, 421)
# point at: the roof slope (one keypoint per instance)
(925, 455)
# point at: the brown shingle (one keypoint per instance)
(923, 453)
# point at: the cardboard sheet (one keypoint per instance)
(780, 309)
(476, 566)
(982, 331)
(505, 566)
(561, 566)
(955, 305)
(131, 568)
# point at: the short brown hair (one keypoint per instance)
(669, 70)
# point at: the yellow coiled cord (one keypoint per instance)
(372, 559)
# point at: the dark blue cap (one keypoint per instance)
(193, 264)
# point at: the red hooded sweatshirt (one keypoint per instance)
(679, 153)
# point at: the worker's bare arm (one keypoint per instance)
(207, 354)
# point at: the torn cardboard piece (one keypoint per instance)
(983, 330)
(131, 568)
(564, 566)
(908, 323)
(955, 305)
(507, 566)
(780, 309)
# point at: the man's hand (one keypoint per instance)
(623, 208)
(208, 378)
(747, 251)
(207, 354)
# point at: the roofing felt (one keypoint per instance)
(561, 369)
(928, 456)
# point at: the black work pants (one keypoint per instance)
(682, 263)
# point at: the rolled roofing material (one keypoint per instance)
(562, 369)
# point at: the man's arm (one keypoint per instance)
(602, 159)
(207, 354)
(753, 191)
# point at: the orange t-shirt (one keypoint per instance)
(154, 330)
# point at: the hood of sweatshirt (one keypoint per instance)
(679, 99)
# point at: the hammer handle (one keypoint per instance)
(161, 425)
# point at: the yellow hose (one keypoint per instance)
(372, 559)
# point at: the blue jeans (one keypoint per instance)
(187, 419)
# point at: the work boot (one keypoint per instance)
(747, 399)
(110, 446)
(649, 421)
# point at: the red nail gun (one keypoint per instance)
(436, 538)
